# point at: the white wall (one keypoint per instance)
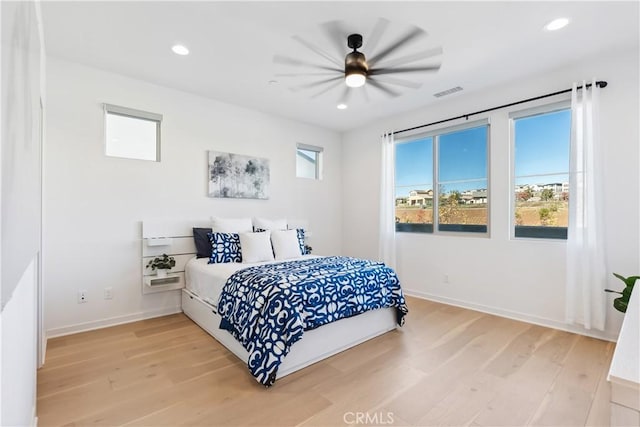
(21, 71)
(517, 278)
(19, 352)
(22, 91)
(94, 204)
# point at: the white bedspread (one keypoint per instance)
(206, 280)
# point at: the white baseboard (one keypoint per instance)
(541, 321)
(112, 321)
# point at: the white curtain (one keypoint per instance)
(387, 244)
(586, 263)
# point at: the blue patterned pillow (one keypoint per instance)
(303, 249)
(225, 247)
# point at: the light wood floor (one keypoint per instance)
(447, 366)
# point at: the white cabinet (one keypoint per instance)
(624, 373)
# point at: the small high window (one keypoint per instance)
(308, 161)
(132, 134)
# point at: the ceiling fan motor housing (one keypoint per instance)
(355, 63)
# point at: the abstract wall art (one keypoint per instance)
(238, 177)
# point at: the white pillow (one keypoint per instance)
(285, 244)
(256, 247)
(268, 224)
(231, 225)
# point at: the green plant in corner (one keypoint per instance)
(165, 262)
(621, 303)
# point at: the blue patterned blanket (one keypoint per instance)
(267, 308)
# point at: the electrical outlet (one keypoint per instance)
(82, 296)
(108, 293)
(446, 278)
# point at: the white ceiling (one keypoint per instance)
(232, 46)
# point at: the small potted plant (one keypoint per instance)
(162, 264)
(621, 303)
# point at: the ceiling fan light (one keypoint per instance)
(355, 69)
(355, 79)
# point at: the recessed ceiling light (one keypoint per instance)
(273, 82)
(341, 106)
(556, 24)
(180, 50)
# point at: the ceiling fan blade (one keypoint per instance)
(412, 34)
(370, 43)
(346, 94)
(384, 89)
(314, 84)
(327, 89)
(286, 60)
(302, 74)
(365, 94)
(412, 58)
(318, 51)
(397, 82)
(337, 33)
(379, 71)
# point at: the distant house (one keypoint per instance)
(474, 197)
(556, 187)
(420, 198)
(478, 197)
(401, 201)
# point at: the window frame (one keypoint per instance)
(533, 233)
(319, 159)
(434, 227)
(132, 113)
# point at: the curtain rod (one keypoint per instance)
(600, 84)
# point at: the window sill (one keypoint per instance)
(540, 232)
(444, 229)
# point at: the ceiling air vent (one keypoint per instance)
(447, 92)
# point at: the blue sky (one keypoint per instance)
(543, 143)
(542, 147)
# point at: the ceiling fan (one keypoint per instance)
(358, 70)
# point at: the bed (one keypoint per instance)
(205, 288)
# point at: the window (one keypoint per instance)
(446, 172)
(541, 139)
(132, 134)
(308, 161)
(414, 185)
